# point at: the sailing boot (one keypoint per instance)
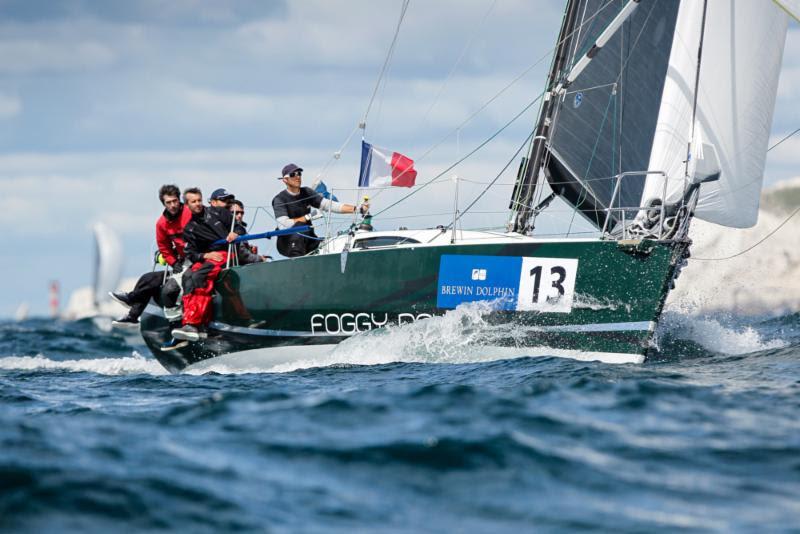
(121, 297)
(126, 322)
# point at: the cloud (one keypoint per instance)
(232, 106)
(28, 55)
(10, 106)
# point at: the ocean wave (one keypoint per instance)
(136, 364)
(714, 336)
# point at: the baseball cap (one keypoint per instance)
(222, 194)
(289, 169)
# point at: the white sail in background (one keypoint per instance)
(740, 65)
(108, 262)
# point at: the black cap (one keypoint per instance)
(221, 194)
(289, 169)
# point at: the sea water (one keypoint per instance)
(411, 429)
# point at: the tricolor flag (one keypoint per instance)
(381, 167)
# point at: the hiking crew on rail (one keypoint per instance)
(207, 225)
(169, 236)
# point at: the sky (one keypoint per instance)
(102, 102)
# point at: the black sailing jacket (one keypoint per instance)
(203, 229)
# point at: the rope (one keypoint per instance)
(362, 124)
(469, 154)
(485, 189)
(458, 62)
(784, 139)
(389, 55)
(795, 212)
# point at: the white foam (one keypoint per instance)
(135, 364)
(714, 336)
(459, 336)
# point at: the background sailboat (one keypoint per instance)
(93, 302)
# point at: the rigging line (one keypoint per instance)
(468, 155)
(507, 87)
(485, 189)
(389, 55)
(336, 155)
(491, 100)
(510, 84)
(458, 62)
(795, 212)
(587, 189)
(761, 176)
(784, 139)
(588, 89)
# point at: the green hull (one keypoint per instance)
(618, 294)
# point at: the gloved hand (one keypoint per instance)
(177, 267)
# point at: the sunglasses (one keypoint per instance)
(238, 212)
(295, 174)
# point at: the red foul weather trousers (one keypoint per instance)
(198, 287)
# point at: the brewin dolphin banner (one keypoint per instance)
(509, 282)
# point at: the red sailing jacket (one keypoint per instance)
(169, 234)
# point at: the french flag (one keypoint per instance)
(381, 167)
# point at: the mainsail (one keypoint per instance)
(740, 61)
(607, 118)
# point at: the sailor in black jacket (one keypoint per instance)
(208, 224)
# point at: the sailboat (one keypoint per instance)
(92, 302)
(655, 112)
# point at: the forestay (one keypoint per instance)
(741, 57)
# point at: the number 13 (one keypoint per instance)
(559, 272)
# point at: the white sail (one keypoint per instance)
(741, 60)
(22, 312)
(108, 262)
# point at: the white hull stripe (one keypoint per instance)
(641, 326)
(637, 326)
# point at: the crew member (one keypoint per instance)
(221, 198)
(207, 225)
(169, 236)
(246, 252)
(292, 208)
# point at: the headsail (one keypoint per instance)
(739, 67)
(607, 117)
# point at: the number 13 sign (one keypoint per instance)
(547, 284)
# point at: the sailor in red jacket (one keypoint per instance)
(169, 235)
(169, 227)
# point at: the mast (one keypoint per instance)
(522, 196)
